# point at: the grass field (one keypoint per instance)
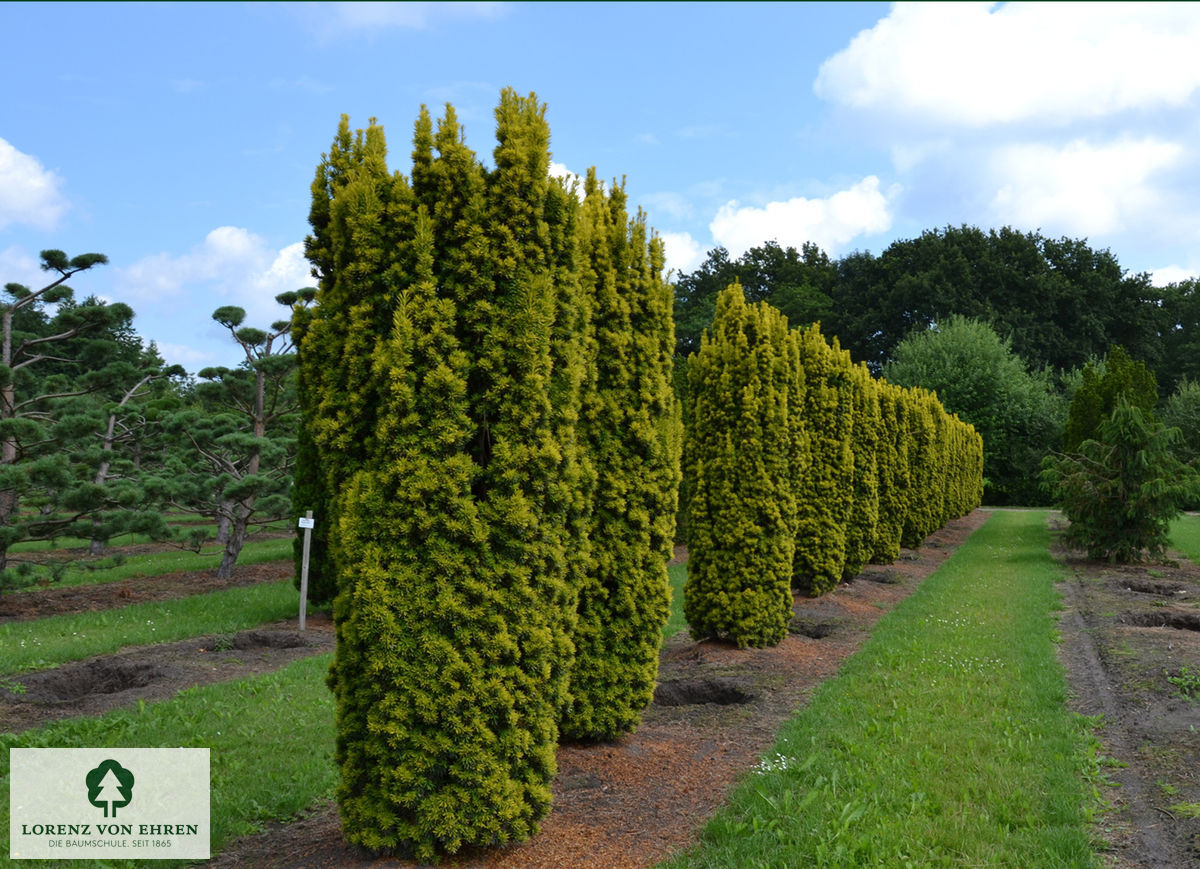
(943, 742)
(57, 639)
(112, 568)
(677, 576)
(1185, 536)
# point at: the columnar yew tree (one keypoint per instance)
(863, 518)
(454, 419)
(1102, 389)
(358, 259)
(894, 480)
(630, 433)
(824, 496)
(743, 506)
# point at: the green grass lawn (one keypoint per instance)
(270, 739)
(105, 568)
(677, 576)
(943, 742)
(1185, 536)
(57, 639)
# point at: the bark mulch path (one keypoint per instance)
(633, 802)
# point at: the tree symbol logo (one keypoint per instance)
(110, 786)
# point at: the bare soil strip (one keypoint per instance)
(98, 685)
(53, 601)
(1125, 630)
(632, 802)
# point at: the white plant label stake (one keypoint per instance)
(307, 524)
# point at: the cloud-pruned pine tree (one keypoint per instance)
(738, 450)
(629, 431)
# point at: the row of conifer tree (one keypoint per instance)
(491, 440)
(803, 468)
(491, 443)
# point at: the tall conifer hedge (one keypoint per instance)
(824, 496)
(743, 506)
(454, 609)
(799, 449)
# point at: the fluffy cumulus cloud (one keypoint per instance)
(829, 223)
(29, 193)
(977, 64)
(1081, 188)
(19, 267)
(683, 253)
(231, 266)
(559, 170)
(1172, 274)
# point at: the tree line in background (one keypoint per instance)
(1003, 325)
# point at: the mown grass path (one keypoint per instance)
(944, 742)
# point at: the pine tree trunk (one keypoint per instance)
(224, 522)
(236, 539)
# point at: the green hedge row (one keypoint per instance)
(805, 468)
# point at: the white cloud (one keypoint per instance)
(233, 265)
(1080, 188)
(18, 267)
(1172, 274)
(189, 357)
(683, 253)
(29, 193)
(977, 64)
(829, 223)
(559, 170)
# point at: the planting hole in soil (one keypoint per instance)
(813, 629)
(270, 640)
(882, 575)
(76, 681)
(1164, 618)
(722, 692)
(1146, 586)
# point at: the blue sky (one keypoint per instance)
(180, 139)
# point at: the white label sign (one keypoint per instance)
(140, 803)
(308, 523)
